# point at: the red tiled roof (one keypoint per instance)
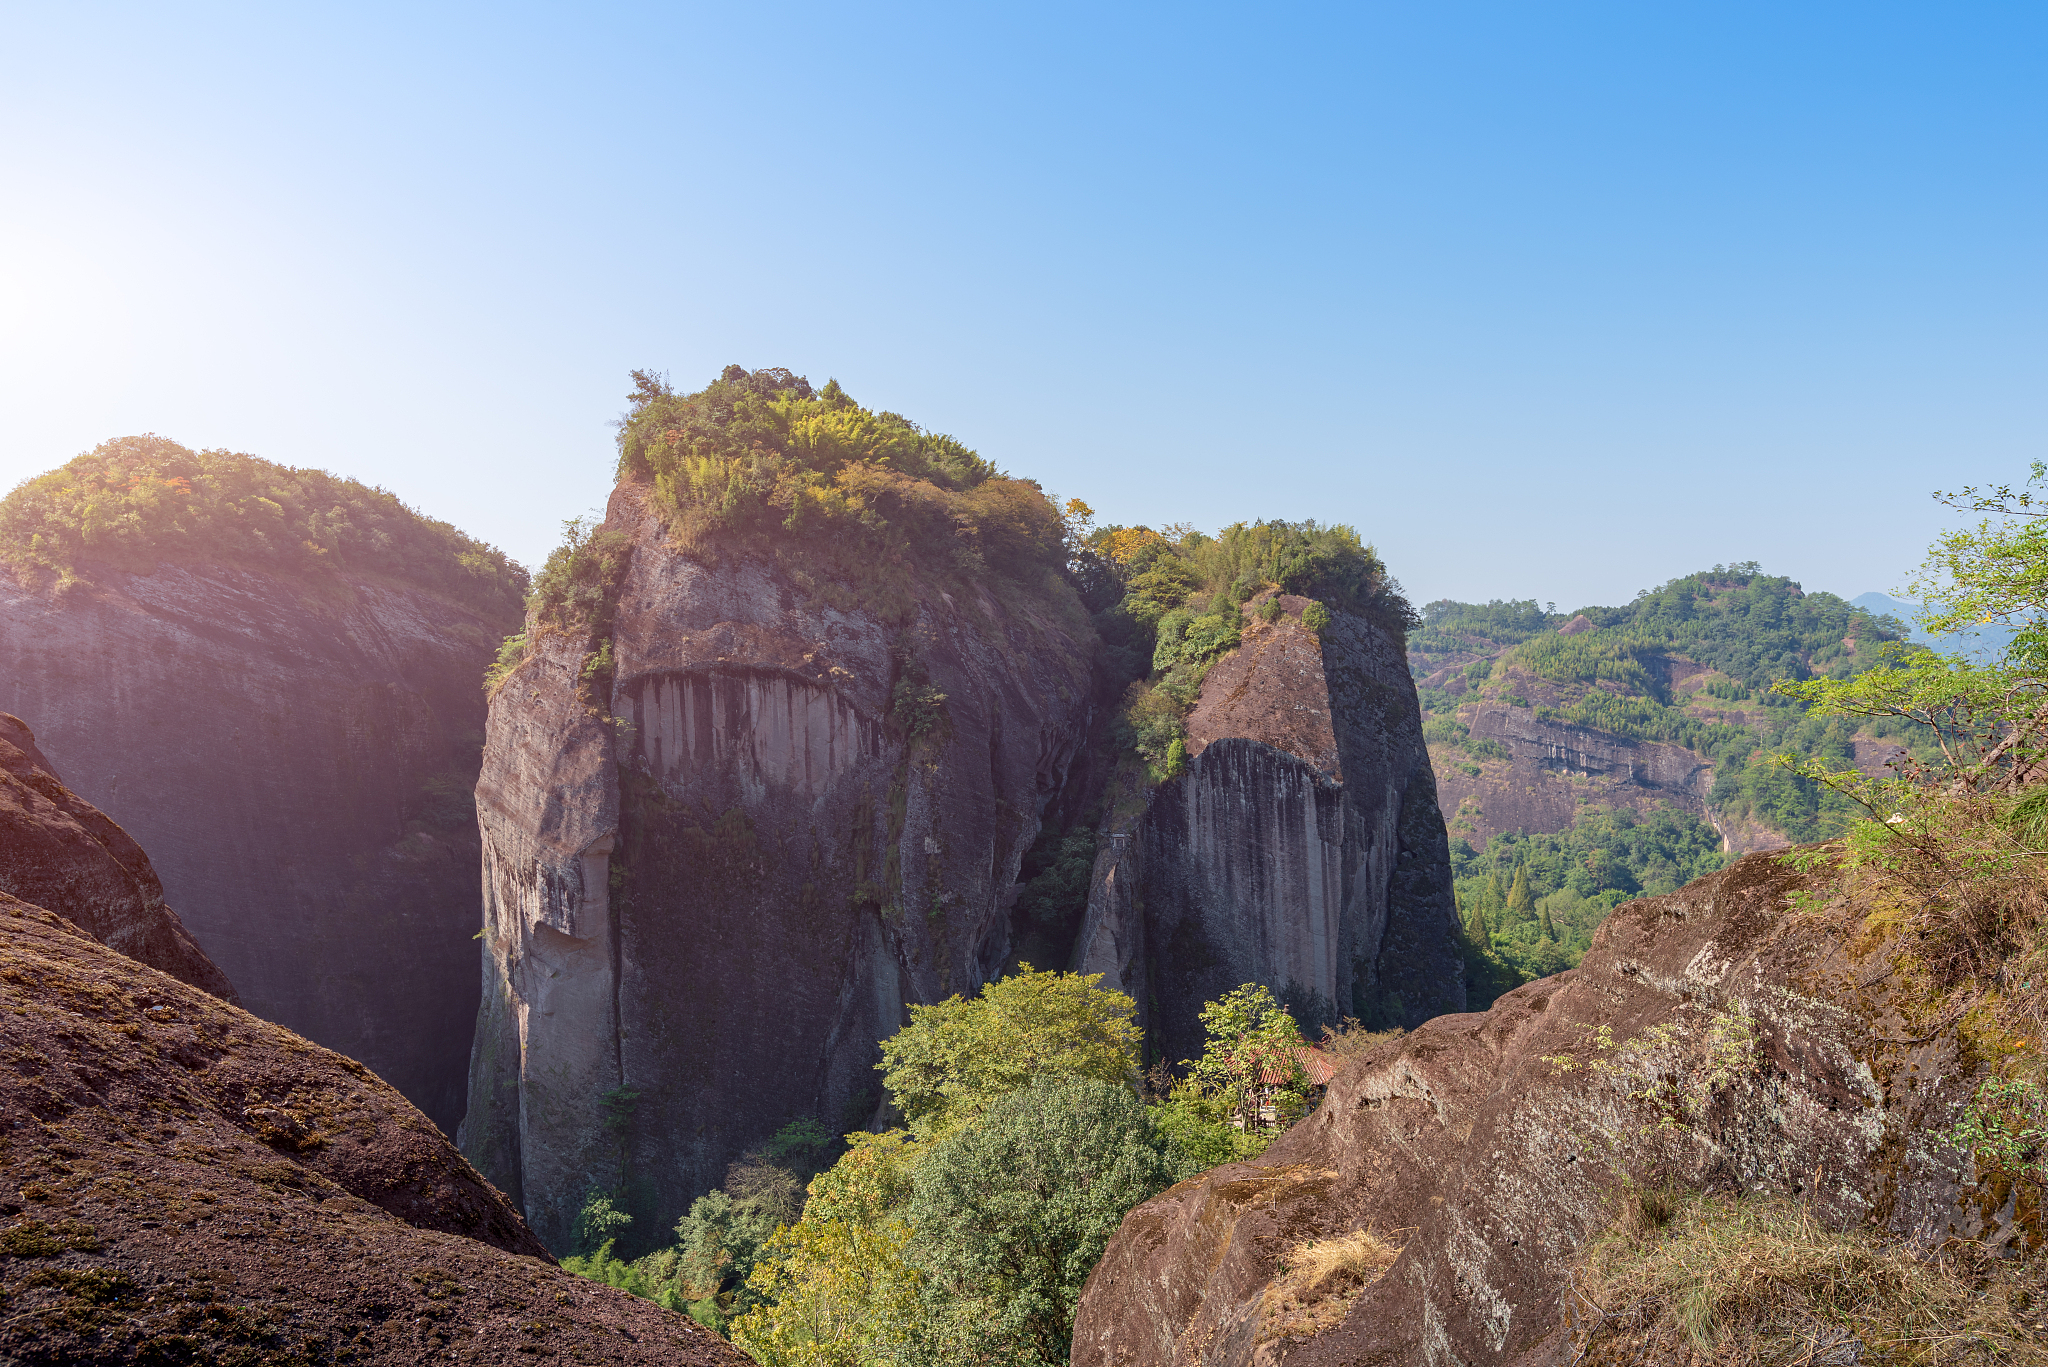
(1319, 1066)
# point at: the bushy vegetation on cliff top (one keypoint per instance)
(138, 501)
(762, 460)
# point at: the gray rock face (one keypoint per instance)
(297, 758)
(1305, 851)
(703, 911)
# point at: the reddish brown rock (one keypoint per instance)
(60, 852)
(181, 1181)
(1271, 689)
(1492, 1146)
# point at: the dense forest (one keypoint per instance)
(139, 501)
(1693, 663)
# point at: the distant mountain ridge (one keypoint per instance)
(1982, 645)
(1586, 758)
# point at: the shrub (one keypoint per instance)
(760, 460)
(1316, 618)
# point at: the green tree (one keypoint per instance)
(1253, 1045)
(1990, 721)
(1012, 1214)
(958, 1056)
(836, 1289)
(1521, 901)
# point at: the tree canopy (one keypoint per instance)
(956, 1057)
(137, 501)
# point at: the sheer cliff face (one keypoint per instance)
(704, 912)
(1303, 849)
(298, 759)
(1493, 1146)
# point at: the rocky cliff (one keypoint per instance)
(58, 850)
(184, 1182)
(296, 751)
(1710, 1039)
(1302, 849)
(1554, 768)
(717, 870)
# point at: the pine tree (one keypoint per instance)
(1521, 902)
(1549, 929)
(1475, 923)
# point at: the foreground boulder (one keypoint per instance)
(184, 1182)
(58, 850)
(1710, 1039)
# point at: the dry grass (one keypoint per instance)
(1684, 1278)
(1318, 1279)
(1348, 1038)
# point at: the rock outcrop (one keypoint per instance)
(1554, 768)
(297, 753)
(715, 877)
(1709, 1039)
(1303, 848)
(184, 1182)
(58, 850)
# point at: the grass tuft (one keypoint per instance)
(1759, 1280)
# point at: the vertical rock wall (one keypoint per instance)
(1302, 849)
(297, 758)
(714, 882)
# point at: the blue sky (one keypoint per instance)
(1550, 300)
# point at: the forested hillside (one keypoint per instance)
(1516, 697)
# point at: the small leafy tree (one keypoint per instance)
(1253, 1052)
(1012, 1214)
(958, 1056)
(835, 1289)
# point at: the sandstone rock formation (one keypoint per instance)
(58, 850)
(1303, 848)
(297, 754)
(1492, 1146)
(1554, 768)
(714, 878)
(183, 1182)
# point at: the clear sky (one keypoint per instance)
(1550, 300)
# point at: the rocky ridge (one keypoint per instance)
(181, 1181)
(56, 849)
(1491, 1146)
